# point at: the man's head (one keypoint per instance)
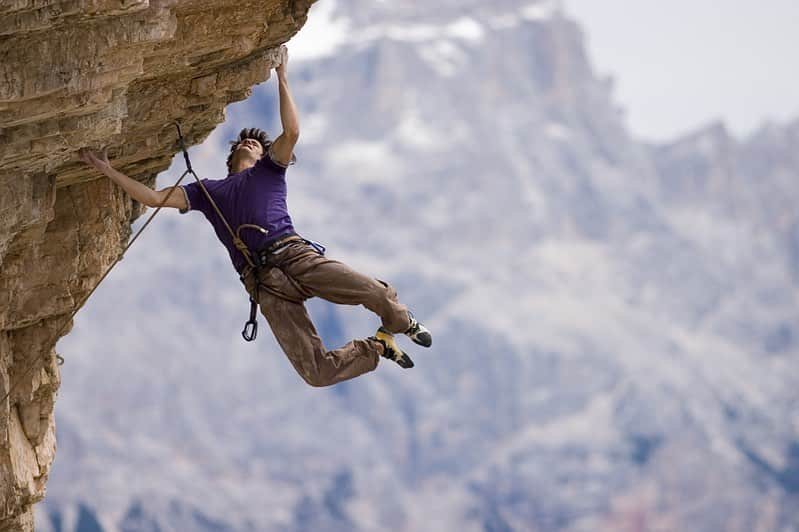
(251, 145)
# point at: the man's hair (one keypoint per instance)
(248, 133)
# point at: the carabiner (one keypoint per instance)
(250, 330)
(251, 327)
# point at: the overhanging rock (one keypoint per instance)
(95, 73)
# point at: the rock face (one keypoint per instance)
(95, 73)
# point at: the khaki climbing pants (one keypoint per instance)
(300, 272)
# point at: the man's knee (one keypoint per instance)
(316, 382)
(389, 290)
(316, 379)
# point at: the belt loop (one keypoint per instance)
(262, 256)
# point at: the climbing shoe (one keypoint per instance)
(390, 348)
(418, 332)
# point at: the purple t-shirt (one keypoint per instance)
(256, 195)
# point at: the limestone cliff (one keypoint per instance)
(77, 73)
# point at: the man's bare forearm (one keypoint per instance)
(288, 111)
(138, 191)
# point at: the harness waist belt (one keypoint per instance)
(280, 242)
(262, 255)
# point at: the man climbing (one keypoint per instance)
(285, 269)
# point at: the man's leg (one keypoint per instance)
(297, 335)
(338, 283)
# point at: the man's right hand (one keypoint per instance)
(284, 59)
(89, 157)
(136, 189)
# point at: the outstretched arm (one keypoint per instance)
(137, 190)
(283, 146)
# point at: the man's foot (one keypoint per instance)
(418, 332)
(390, 348)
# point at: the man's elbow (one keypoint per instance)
(154, 199)
(292, 134)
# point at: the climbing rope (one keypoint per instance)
(251, 326)
(60, 359)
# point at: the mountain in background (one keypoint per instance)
(615, 323)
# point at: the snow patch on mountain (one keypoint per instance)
(541, 11)
(537, 12)
(444, 57)
(557, 131)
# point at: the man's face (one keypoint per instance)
(249, 148)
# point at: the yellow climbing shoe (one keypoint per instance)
(390, 348)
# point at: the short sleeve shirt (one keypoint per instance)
(256, 196)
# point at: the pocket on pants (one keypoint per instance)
(276, 281)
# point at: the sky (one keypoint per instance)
(677, 65)
(683, 63)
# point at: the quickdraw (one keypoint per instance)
(250, 330)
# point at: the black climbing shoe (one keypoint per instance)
(418, 333)
(391, 350)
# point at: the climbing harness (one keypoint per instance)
(256, 262)
(260, 263)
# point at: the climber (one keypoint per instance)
(288, 268)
